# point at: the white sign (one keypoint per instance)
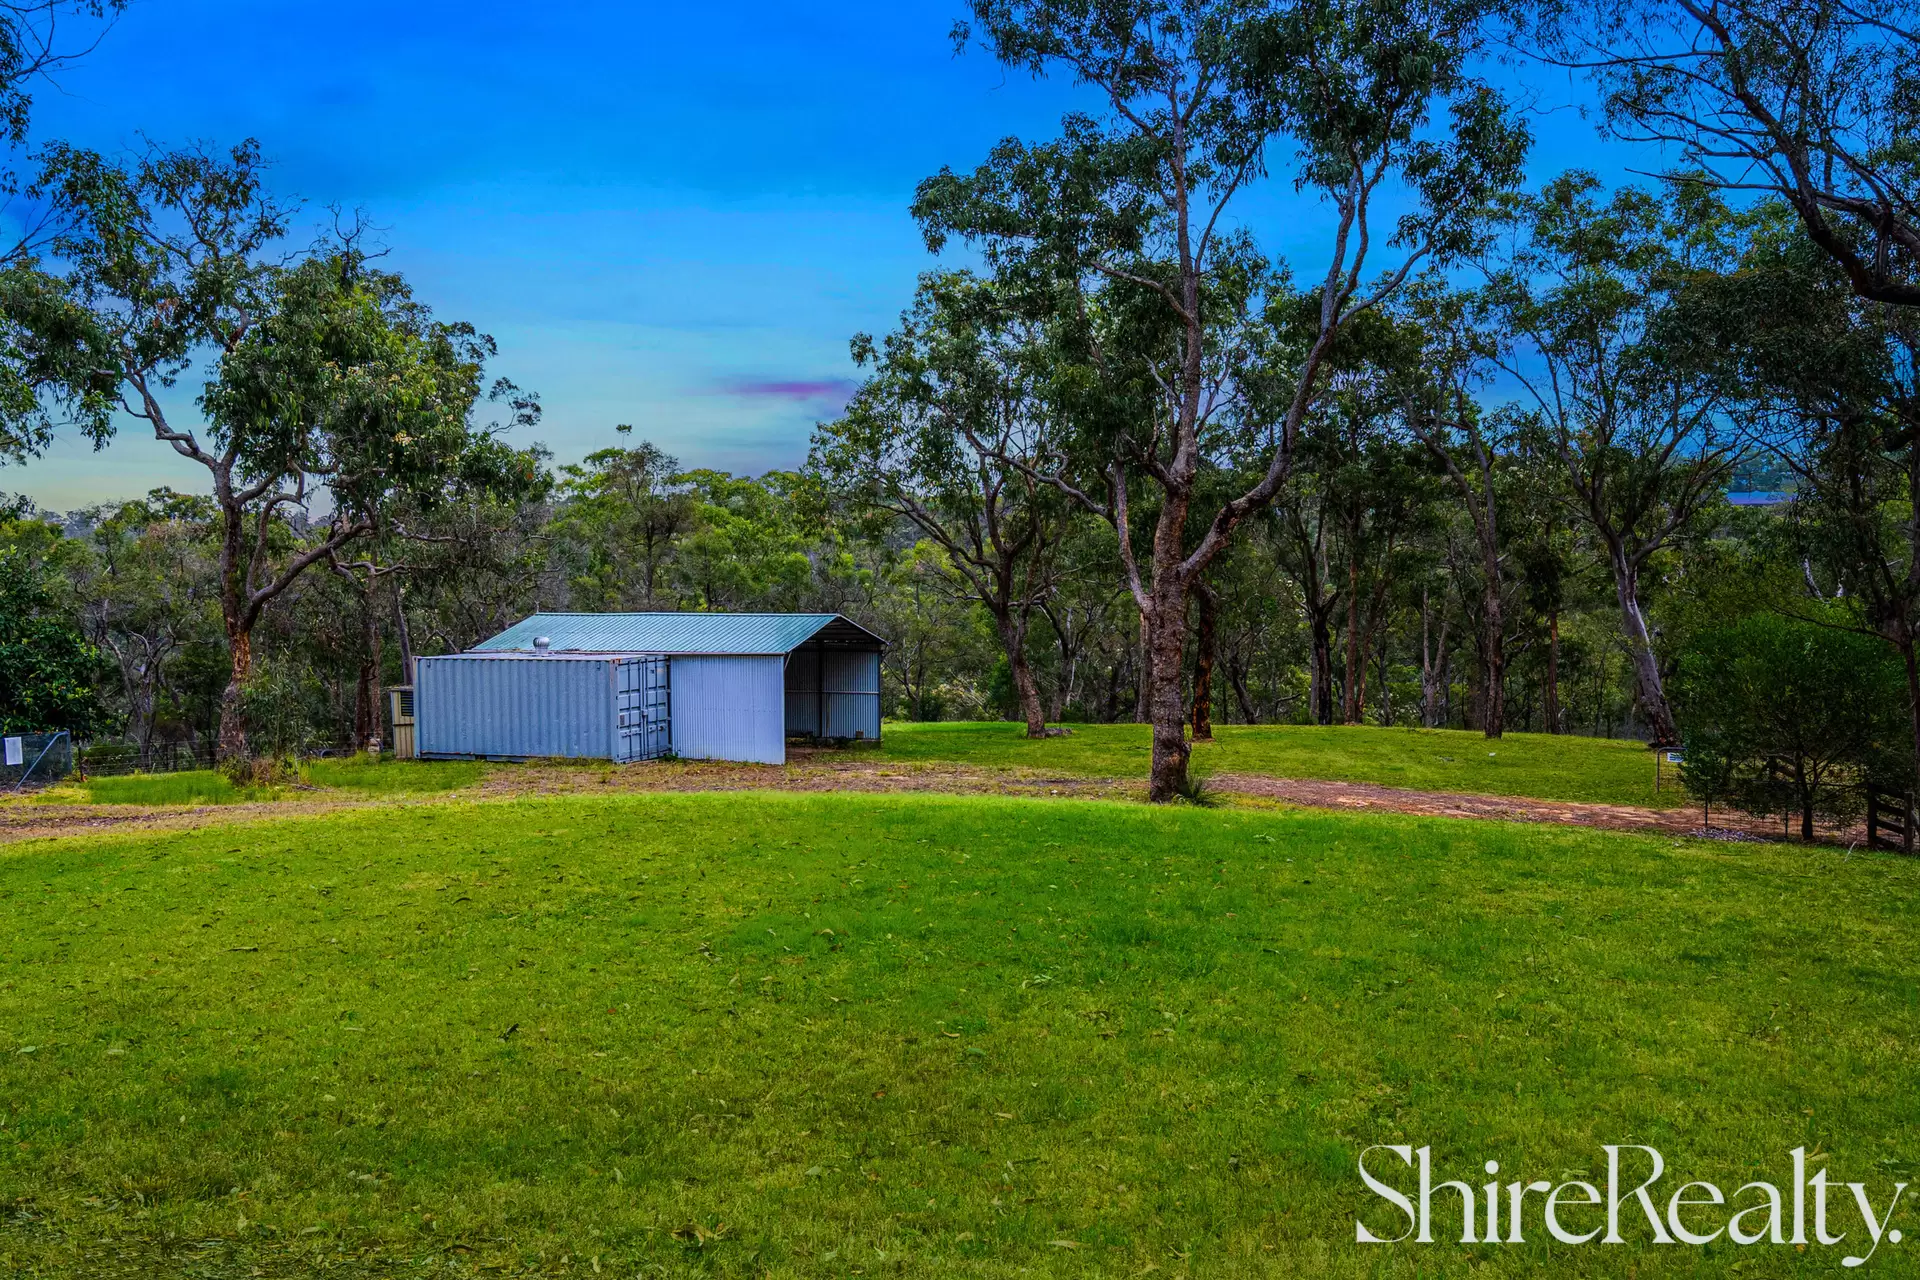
(1674, 757)
(16, 751)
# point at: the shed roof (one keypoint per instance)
(682, 633)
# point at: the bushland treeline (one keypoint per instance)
(1466, 464)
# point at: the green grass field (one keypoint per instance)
(818, 1035)
(1521, 764)
(206, 786)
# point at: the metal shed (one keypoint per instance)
(727, 687)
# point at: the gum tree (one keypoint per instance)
(958, 390)
(1473, 449)
(1596, 329)
(1834, 382)
(329, 393)
(1810, 102)
(1126, 222)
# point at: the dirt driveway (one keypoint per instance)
(811, 771)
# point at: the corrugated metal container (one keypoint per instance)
(509, 706)
(728, 708)
(833, 693)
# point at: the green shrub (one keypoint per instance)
(1786, 717)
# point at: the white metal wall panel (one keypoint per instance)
(729, 708)
(842, 683)
(515, 707)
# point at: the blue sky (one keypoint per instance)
(673, 216)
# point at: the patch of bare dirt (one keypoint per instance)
(1728, 825)
(809, 770)
(31, 821)
(805, 770)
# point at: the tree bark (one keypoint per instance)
(1013, 638)
(1167, 631)
(1205, 647)
(233, 720)
(1433, 667)
(366, 695)
(1350, 690)
(1493, 676)
(1553, 671)
(1237, 677)
(1143, 708)
(1646, 664)
(1069, 666)
(402, 633)
(1320, 673)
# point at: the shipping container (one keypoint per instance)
(509, 706)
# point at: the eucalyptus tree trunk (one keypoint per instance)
(1237, 677)
(1166, 650)
(402, 634)
(1012, 625)
(1553, 671)
(232, 738)
(237, 621)
(1493, 659)
(1206, 647)
(1646, 664)
(366, 698)
(1350, 693)
(1143, 705)
(1320, 667)
(1433, 666)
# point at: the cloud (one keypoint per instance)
(798, 391)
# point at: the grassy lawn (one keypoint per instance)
(206, 786)
(1521, 764)
(820, 1035)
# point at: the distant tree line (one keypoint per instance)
(1468, 468)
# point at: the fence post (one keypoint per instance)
(1873, 818)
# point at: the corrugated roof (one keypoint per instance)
(720, 633)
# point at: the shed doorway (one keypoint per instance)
(833, 692)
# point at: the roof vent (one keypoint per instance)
(541, 644)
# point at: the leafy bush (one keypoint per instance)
(49, 674)
(1787, 717)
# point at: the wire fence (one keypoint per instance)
(34, 759)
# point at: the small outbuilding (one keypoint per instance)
(633, 686)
